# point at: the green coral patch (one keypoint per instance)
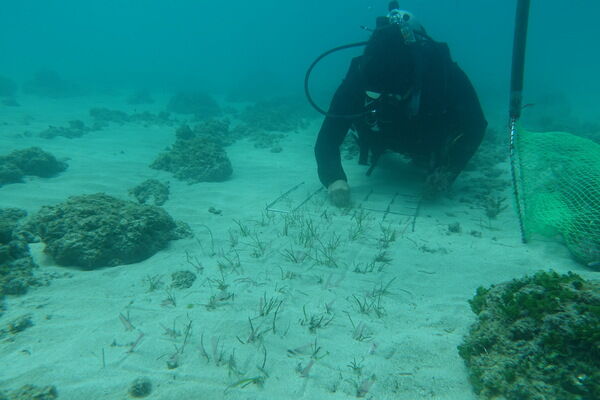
(536, 338)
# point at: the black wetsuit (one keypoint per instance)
(437, 120)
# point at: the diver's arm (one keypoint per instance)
(327, 150)
(346, 101)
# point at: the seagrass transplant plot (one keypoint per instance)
(313, 200)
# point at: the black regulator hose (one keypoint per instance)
(307, 78)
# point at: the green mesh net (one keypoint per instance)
(558, 182)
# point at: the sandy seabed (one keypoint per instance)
(320, 303)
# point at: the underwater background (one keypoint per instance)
(217, 46)
(163, 232)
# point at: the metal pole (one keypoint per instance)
(518, 58)
(516, 97)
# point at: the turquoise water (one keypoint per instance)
(247, 283)
(216, 45)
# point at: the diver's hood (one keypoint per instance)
(388, 61)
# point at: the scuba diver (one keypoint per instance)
(404, 94)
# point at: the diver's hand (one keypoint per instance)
(437, 183)
(339, 193)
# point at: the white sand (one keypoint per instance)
(412, 350)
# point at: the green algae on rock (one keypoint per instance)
(197, 159)
(16, 265)
(30, 161)
(97, 230)
(151, 190)
(536, 338)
